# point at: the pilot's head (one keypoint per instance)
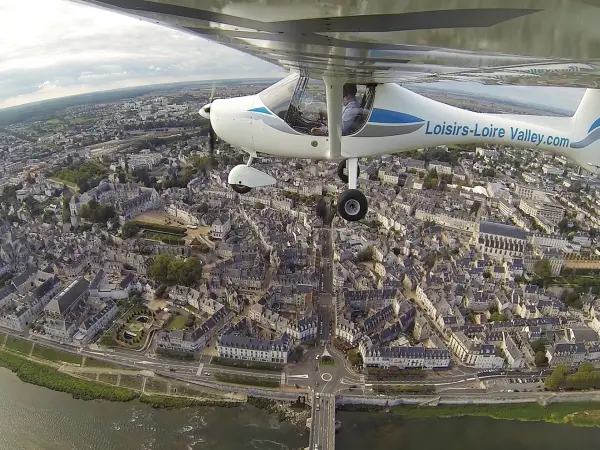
(349, 90)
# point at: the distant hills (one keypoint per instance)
(45, 109)
(531, 108)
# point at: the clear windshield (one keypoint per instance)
(302, 104)
(279, 96)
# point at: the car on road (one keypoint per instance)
(317, 396)
(207, 374)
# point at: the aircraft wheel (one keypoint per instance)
(240, 188)
(352, 205)
(344, 175)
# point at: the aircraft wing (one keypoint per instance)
(532, 42)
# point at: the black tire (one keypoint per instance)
(344, 176)
(352, 205)
(240, 188)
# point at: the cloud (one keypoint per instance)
(53, 48)
(66, 48)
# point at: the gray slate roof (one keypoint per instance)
(501, 229)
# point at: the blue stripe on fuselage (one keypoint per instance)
(595, 125)
(261, 110)
(386, 116)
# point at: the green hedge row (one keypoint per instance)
(157, 227)
(258, 365)
(247, 380)
(415, 389)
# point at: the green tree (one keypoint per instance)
(366, 254)
(160, 268)
(542, 269)
(170, 270)
(190, 321)
(85, 212)
(190, 272)
(129, 229)
(66, 211)
(540, 359)
(557, 379)
(571, 298)
(497, 317)
(539, 345)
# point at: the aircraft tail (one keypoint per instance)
(587, 116)
(584, 149)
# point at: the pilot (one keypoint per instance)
(350, 111)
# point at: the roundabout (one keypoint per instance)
(327, 377)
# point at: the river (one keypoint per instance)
(35, 418)
(362, 430)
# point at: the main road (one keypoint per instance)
(322, 433)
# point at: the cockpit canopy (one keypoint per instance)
(302, 103)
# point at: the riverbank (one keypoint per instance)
(579, 414)
(296, 413)
(47, 374)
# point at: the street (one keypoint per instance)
(322, 433)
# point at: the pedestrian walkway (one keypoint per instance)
(200, 368)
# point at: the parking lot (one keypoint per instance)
(515, 384)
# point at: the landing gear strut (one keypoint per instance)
(352, 203)
(343, 172)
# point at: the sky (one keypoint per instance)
(55, 48)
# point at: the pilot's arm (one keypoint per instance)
(348, 117)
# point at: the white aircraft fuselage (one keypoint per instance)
(401, 120)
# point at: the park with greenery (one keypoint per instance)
(169, 270)
(131, 330)
(180, 321)
(96, 212)
(85, 176)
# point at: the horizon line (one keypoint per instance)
(208, 80)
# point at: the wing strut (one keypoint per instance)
(333, 91)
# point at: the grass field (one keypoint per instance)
(91, 362)
(162, 218)
(18, 345)
(54, 355)
(155, 385)
(176, 322)
(163, 237)
(71, 186)
(131, 381)
(108, 378)
(90, 376)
